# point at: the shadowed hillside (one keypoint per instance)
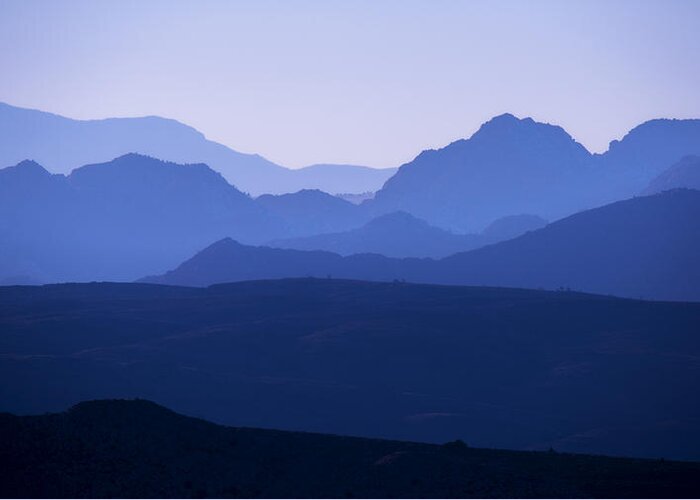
(118, 220)
(494, 367)
(644, 247)
(125, 449)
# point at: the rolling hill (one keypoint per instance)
(134, 448)
(645, 247)
(505, 368)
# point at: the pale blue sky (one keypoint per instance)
(366, 82)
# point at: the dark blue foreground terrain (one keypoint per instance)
(506, 368)
(126, 449)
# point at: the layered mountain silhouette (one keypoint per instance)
(646, 247)
(684, 174)
(118, 220)
(228, 261)
(642, 247)
(312, 211)
(98, 449)
(496, 368)
(137, 215)
(508, 166)
(648, 149)
(513, 165)
(400, 234)
(61, 144)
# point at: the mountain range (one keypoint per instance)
(511, 166)
(642, 247)
(399, 234)
(62, 144)
(136, 215)
(119, 219)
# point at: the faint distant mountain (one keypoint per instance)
(643, 247)
(508, 166)
(311, 211)
(118, 220)
(337, 179)
(684, 174)
(513, 165)
(62, 144)
(399, 234)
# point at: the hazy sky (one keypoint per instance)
(359, 82)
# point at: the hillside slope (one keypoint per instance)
(505, 368)
(124, 449)
(646, 247)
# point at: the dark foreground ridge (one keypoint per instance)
(122, 448)
(495, 367)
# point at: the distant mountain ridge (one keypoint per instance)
(339, 178)
(62, 144)
(311, 211)
(508, 166)
(118, 219)
(513, 165)
(137, 215)
(642, 247)
(399, 234)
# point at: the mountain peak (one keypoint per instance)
(31, 165)
(508, 123)
(507, 117)
(28, 167)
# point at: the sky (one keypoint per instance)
(360, 82)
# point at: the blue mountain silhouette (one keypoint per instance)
(62, 144)
(399, 234)
(512, 166)
(642, 247)
(120, 219)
